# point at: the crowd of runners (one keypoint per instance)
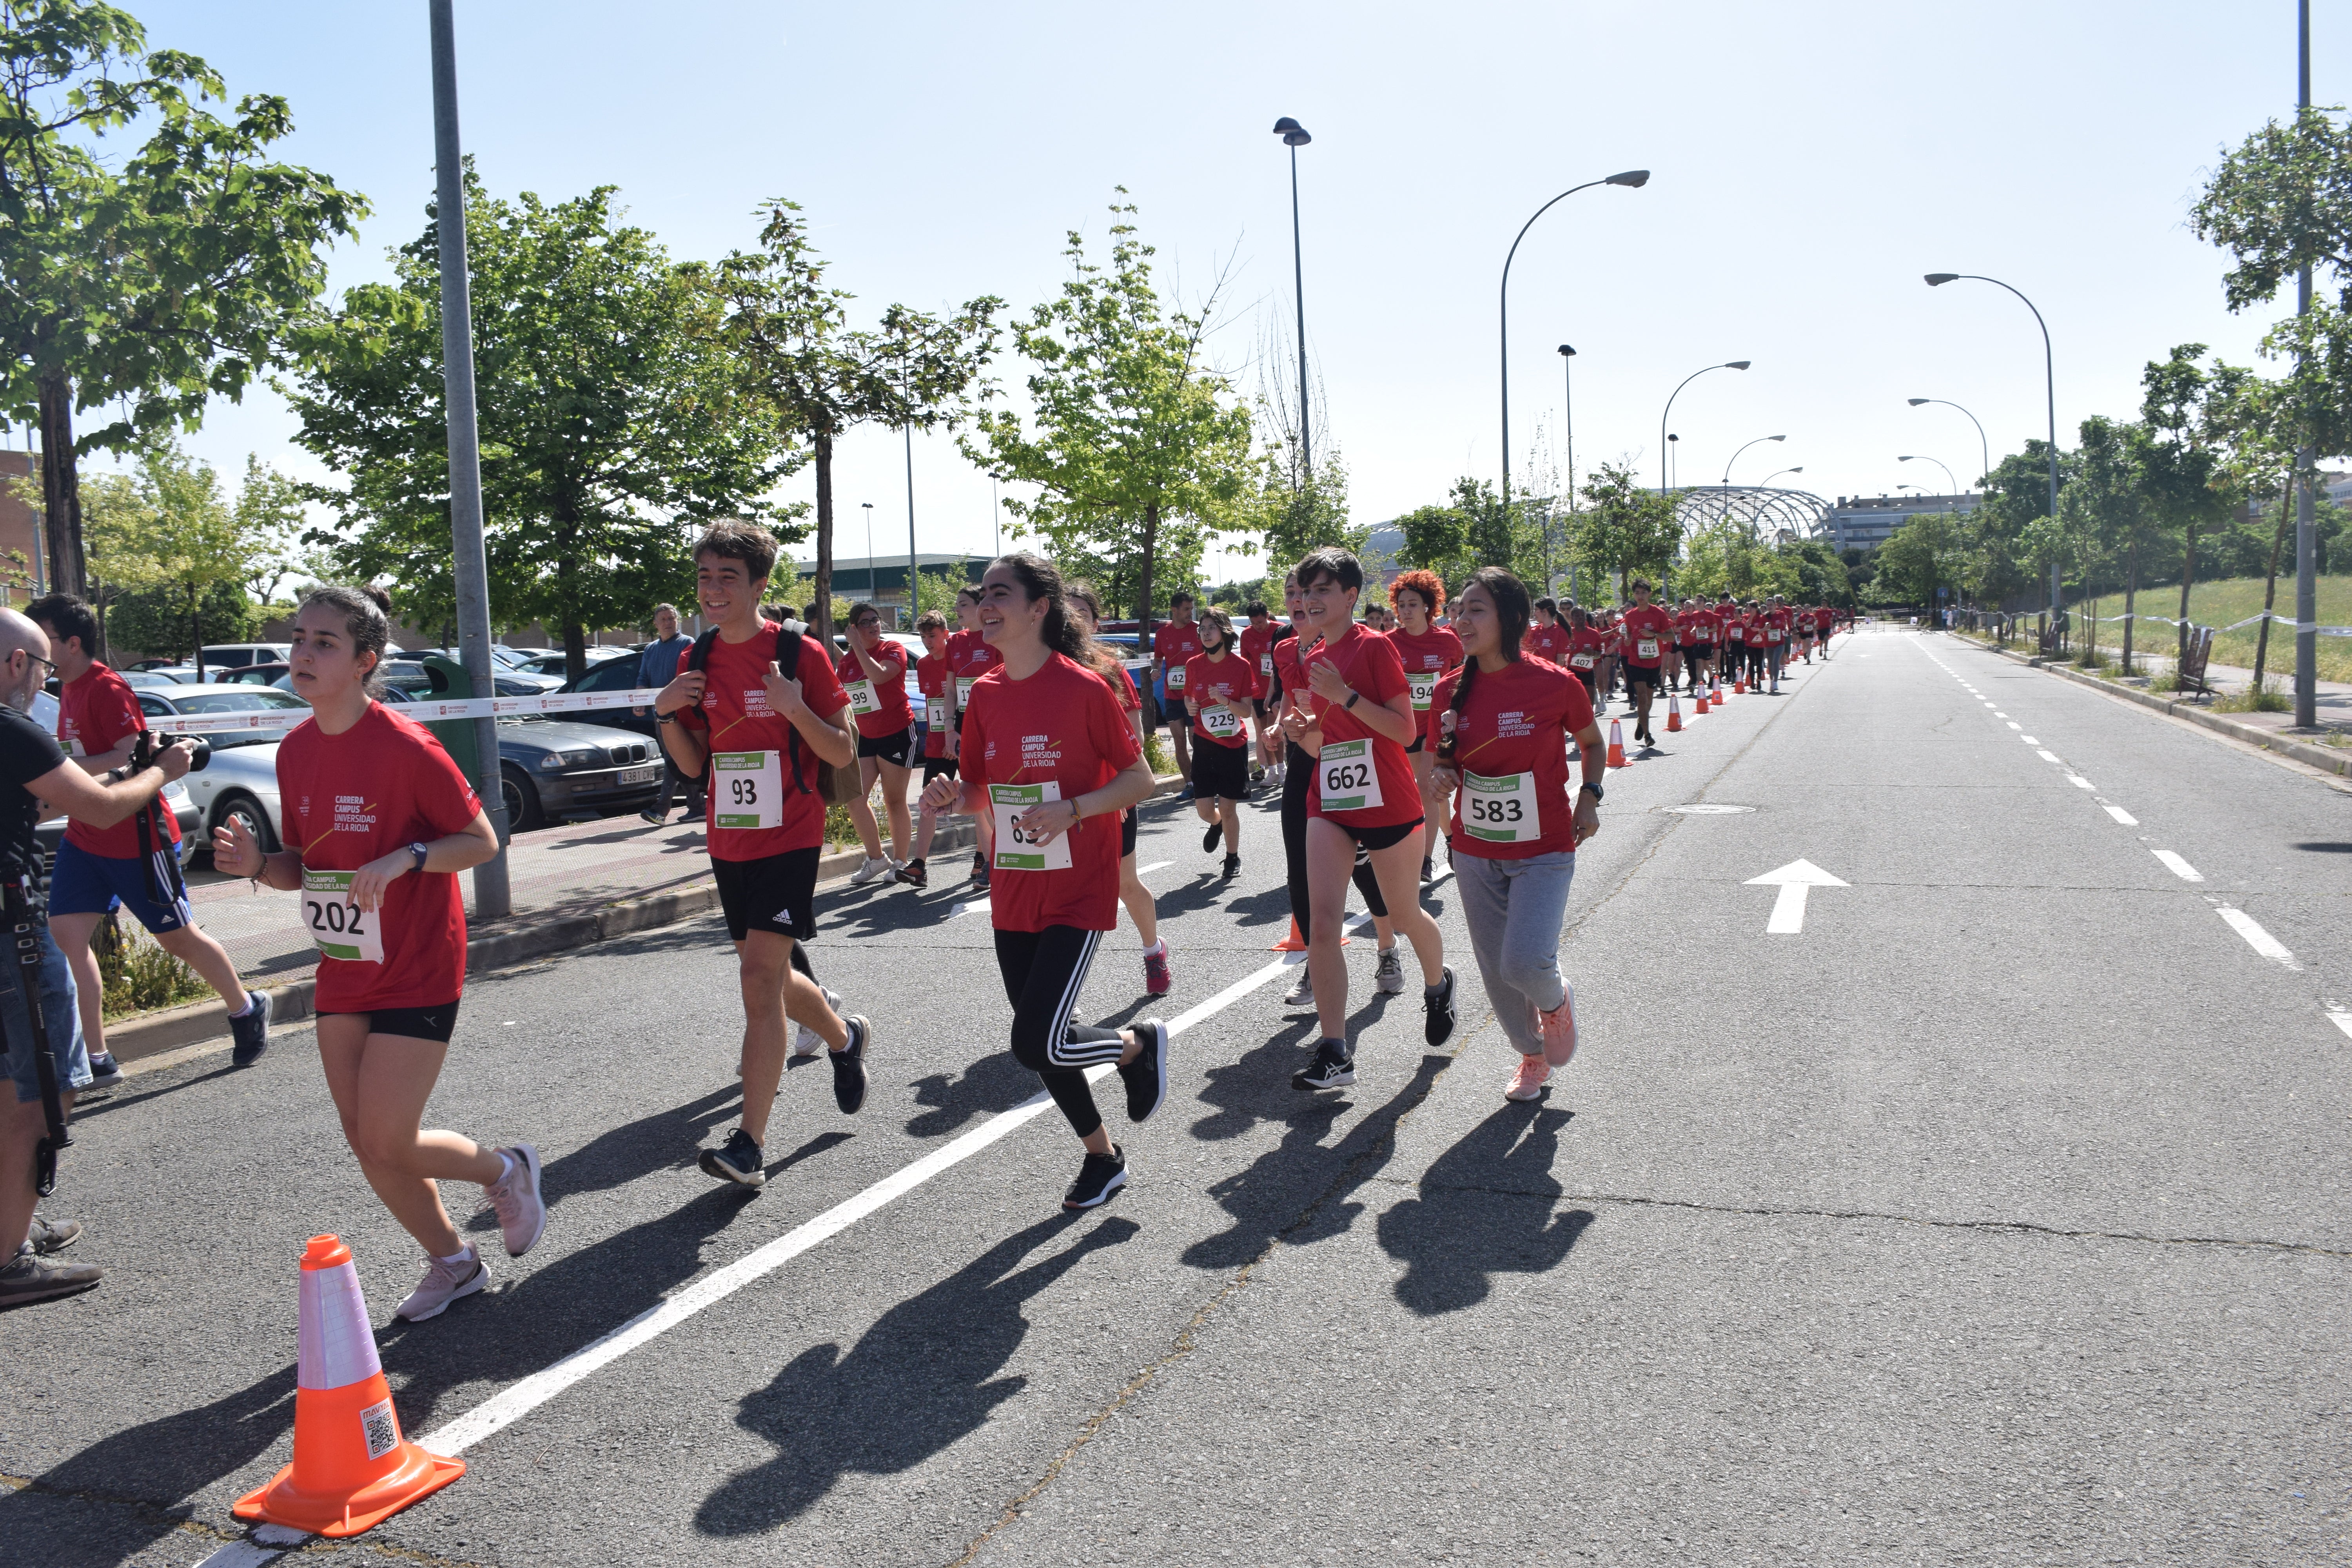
(1470, 717)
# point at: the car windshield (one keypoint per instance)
(236, 701)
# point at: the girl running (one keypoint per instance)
(1584, 645)
(874, 673)
(969, 658)
(935, 686)
(1219, 685)
(1363, 796)
(1499, 729)
(1426, 651)
(1053, 794)
(380, 821)
(1086, 606)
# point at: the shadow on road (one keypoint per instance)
(665, 1141)
(1485, 1208)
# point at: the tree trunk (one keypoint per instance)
(61, 489)
(2131, 601)
(2188, 579)
(1143, 579)
(195, 634)
(567, 580)
(2270, 588)
(819, 616)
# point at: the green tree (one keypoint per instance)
(1624, 527)
(1138, 449)
(818, 380)
(1918, 559)
(613, 421)
(2105, 507)
(2188, 480)
(1436, 539)
(148, 281)
(2010, 529)
(154, 621)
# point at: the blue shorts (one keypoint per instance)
(82, 883)
(57, 1011)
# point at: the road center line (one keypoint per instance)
(2341, 1019)
(2049, 756)
(2180, 868)
(2261, 940)
(2120, 814)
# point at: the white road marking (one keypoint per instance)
(2179, 866)
(2015, 725)
(2261, 940)
(2079, 782)
(2049, 757)
(243, 1554)
(976, 907)
(1155, 865)
(2341, 1019)
(2028, 738)
(2120, 814)
(1795, 880)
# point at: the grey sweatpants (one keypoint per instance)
(1514, 909)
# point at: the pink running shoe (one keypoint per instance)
(1529, 1082)
(1559, 1028)
(1156, 975)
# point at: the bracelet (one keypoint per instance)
(1352, 699)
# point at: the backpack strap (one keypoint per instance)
(785, 650)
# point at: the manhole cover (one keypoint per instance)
(1709, 808)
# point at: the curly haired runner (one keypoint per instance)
(1426, 651)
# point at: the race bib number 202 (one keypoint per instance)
(340, 927)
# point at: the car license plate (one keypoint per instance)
(640, 775)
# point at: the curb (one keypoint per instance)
(513, 940)
(2328, 759)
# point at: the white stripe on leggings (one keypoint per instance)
(1060, 1049)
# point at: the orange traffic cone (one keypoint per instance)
(1295, 943)
(352, 1468)
(1616, 742)
(1698, 703)
(1674, 713)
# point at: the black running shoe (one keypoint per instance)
(1232, 866)
(1209, 839)
(1333, 1067)
(740, 1162)
(105, 1072)
(980, 867)
(1100, 1176)
(1147, 1075)
(251, 1031)
(913, 874)
(849, 1066)
(1428, 871)
(1438, 1028)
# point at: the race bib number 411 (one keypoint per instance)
(341, 927)
(748, 789)
(1016, 851)
(1349, 780)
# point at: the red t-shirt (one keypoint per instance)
(931, 680)
(1434, 652)
(736, 714)
(1288, 673)
(380, 785)
(1705, 626)
(1547, 642)
(1369, 665)
(1063, 724)
(1686, 633)
(892, 712)
(1776, 626)
(1733, 624)
(1647, 623)
(1518, 720)
(1585, 647)
(94, 715)
(1176, 643)
(1254, 641)
(970, 656)
(1233, 678)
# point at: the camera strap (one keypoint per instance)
(16, 896)
(164, 882)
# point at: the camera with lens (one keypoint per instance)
(143, 749)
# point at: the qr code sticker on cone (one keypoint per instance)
(382, 1432)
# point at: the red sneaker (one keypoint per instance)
(1156, 975)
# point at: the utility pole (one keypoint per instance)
(2306, 551)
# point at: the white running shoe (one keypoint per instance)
(1302, 990)
(808, 1042)
(443, 1283)
(869, 869)
(1388, 975)
(522, 1213)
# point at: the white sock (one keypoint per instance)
(1160, 946)
(252, 1001)
(509, 1162)
(463, 1255)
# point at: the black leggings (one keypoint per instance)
(1043, 973)
(1294, 785)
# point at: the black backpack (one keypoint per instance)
(837, 786)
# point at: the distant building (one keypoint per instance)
(1865, 522)
(880, 582)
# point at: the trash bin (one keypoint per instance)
(457, 735)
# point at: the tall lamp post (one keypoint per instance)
(1735, 457)
(1920, 458)
(1633, 179)
(1770, 477)
(1984, 448)
(2306, 536)
(2050, 385)
(868, 507)
(1567, 425)
(1294, 136)
(914, 605)
(1664, 483)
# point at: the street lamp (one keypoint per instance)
(1921, 457)
(1984, 448)
(912, 602)
(1663, 437)
(1294, 136)
(869, 547)
(1770, 477)
(1567, 424)
(1735, 457)
(1674, 445)
(1632, 178)
(2050, 385)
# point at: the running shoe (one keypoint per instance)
(1388, 975)
(1302, 990)
(980, 872)
(1186, 792)
(1209, 839)
(1437, 1002)
(656, 817)
(1559, 1030)
(1099, 1175)
(849, 1067)
(738, 1161)
(1157, 977)
(1233, 867)
(1428, 871)
(443, 1283)
(808, 1042)
(522, 1213)
(29, 1277)
(1147, 1075)
(868, 870)
(250, 1029)
(1257, 774)
(1527, 1081)
(52, 1235)
(913, 874)
(105, 1072)
(1334, 1067)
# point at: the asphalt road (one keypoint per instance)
(1996, 1216)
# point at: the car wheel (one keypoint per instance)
(247, 813)
(521, 800)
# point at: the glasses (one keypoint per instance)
(869, 621)
(36, 659)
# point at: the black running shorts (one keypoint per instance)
(894, 749)
(1126, 833)
(1220, 771)
(776, 893)
(435, 1024)
(939, 768)
(1369, 838)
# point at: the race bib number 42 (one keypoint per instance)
(1348, 778)
(1016, 851)
(1175, 677)
(748, 789)
(1500, 810)
(341, 927)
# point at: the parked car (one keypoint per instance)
(241, 780)
(618, 675)
(553, 663)
(254, 675)
(237, 655)
(50, 834)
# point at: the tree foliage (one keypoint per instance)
(1624, 527)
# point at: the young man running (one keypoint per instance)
(1172, 647)
(1777, 623)
(1703, 630)
(761, 733)
(969, 658)
(874, 673)
(134, 864)
(1219, 685)
(935, 686)
(1256, 638)
(1647, 631)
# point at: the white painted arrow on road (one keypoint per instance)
(1794, 880)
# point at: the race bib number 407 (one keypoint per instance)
(341, 927)
(1349, 780)
(748, 789)
(1016, 849)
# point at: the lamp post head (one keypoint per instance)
(1776, 438)
(1938, 279)
(1797, 469)
(1915, 402)
(1634, 178)
(1738, 365)
(1673, 437)
(1907, 460)
(1293, 134)
(1566, 351)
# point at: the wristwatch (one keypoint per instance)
(1598, 792)
(420, 852)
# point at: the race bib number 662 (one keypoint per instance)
(1348, 779)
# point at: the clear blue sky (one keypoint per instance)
(1812, 161)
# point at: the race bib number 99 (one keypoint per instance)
(341, 927)
(861, 695)
(748, 789)
(1348, 779)
(1500, 810)
(1016, 851)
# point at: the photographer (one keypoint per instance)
(32, 770)
(133, 863)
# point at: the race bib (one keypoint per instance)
(1422, 685)
(1348, 779)
(861, 697)
(1175, 677)
(1015, 850)
(1265, 665)
(964, 684)
(341, 927)
(935, 712)
(746, 789)
(1771, 634)
(1500, 810)
(1220, 722)
(1580, 661)
(1647, 648)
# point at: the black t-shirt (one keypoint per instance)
(27, 753)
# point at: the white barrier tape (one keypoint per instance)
(427, 713)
